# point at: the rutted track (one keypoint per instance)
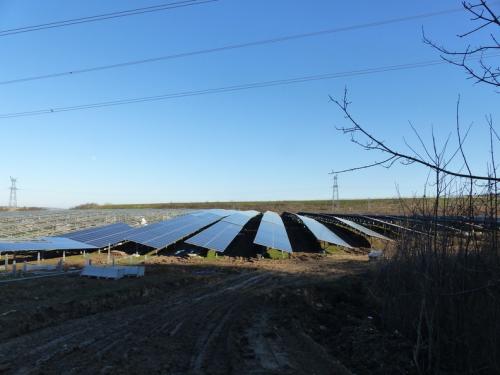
(211, 329)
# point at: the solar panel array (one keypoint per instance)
(165, 233)
(362, 229)
(218, 228)
(101, 236)
(388, 223)
(44, 244)
(272, 233)
(219, 236)
(321, 232)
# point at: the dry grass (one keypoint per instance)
(373, 206)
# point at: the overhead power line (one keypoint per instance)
(104, 16)
(228, 47)
(219, 90)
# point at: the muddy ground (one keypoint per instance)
(311, 314)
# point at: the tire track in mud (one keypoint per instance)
(186, 319)
(262, 352)
(207, 353)
(218, 328)
(99, 334)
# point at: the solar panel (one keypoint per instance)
(171, 231)
(147, 232)
(219, 236)
(321, 232)
(101, 236)
(362, 229)
(93, 230)
(219, 212)
(177, 233)
(44, 244)
(272, 233)
(241, 218)
(110, 239)
(399, 227)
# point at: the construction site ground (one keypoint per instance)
(312, 314)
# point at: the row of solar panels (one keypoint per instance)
(355, 221)
(156, 235)
(217, 230)
(413, 224)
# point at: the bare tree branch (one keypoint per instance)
(390, 160)
(481, 72)
(370, 143)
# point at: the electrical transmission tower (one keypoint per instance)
(335, 193)
(13, 193)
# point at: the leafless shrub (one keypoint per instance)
(441, 287)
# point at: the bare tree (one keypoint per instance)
(473, 59)
(441, 288)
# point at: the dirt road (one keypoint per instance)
(223, 321)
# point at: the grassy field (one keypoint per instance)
(387, 205)
(3, 208)
(391, 206)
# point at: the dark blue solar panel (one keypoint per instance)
(44, 244)
(171, 231)
(321, 232)
(362, 229)
(101, 236)
(219, 236)
(140, 235)
(272, 233)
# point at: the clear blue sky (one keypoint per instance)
(270, 143)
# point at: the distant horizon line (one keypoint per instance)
(208, 202)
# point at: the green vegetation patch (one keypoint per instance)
(212, 254)
(333, 249)
(276, 254)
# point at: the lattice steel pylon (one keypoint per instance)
(13, 193)
(335, 193)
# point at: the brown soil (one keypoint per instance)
(307, 315)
